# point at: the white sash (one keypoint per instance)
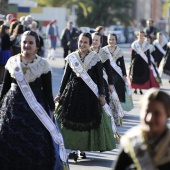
(87, 79)
(115, 99)
(38, 109)
(152, 67)
(151, 49)
(112, 62)
(118, 70)
(138, 49)
(158, 45)
(138, 150)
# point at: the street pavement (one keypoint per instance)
(97, 160)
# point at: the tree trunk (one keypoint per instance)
(3, 6)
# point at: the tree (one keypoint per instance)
(165, 7)
(105, 12)
(96, 12)
(3, 6)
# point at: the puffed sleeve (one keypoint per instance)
(121, 63)
(6, 84)
(47, 88)
(99, 75)
(107, 67)
(66, 77)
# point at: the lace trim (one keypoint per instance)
(117, 53)
(32, 71)
(145, 46)
(103, 55)
(91, 60)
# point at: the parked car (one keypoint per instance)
(128, 32)
(85, 29)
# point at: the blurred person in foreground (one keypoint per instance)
(147, 146)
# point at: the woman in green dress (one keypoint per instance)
(84, 124)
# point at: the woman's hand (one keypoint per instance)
(111, 89)
(57, 98)
(124, 79)
(102, 100)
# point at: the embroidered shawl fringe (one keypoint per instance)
(90, 60)
(103, 55)
(35, 70)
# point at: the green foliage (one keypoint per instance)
(96, 12)
(105, 12)
(165, 7)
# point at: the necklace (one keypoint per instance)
(25, 65)
(98, 49)
(26, 61)
(82, 58)
(25, 68)
(112, 50)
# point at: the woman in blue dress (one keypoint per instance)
(5, 52)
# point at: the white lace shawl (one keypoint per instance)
(136, 44)
(90, 60)
(35, 69)
(103, 55)
(116, 54)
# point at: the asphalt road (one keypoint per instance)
(97, 160)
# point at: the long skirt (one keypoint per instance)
(128, 104)
(100, 139)
(4, 56)
(84, 124)
(152, 82)
(25, 144)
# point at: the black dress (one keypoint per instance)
(166, 66)
(139, 73)
(118, 82)
(79, 108)
(159, 54)
(24, 141)
(84, 124)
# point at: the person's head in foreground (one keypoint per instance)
(155, 111)
(148, 146)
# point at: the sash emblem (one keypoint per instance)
(16, 68)
(76, 64)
